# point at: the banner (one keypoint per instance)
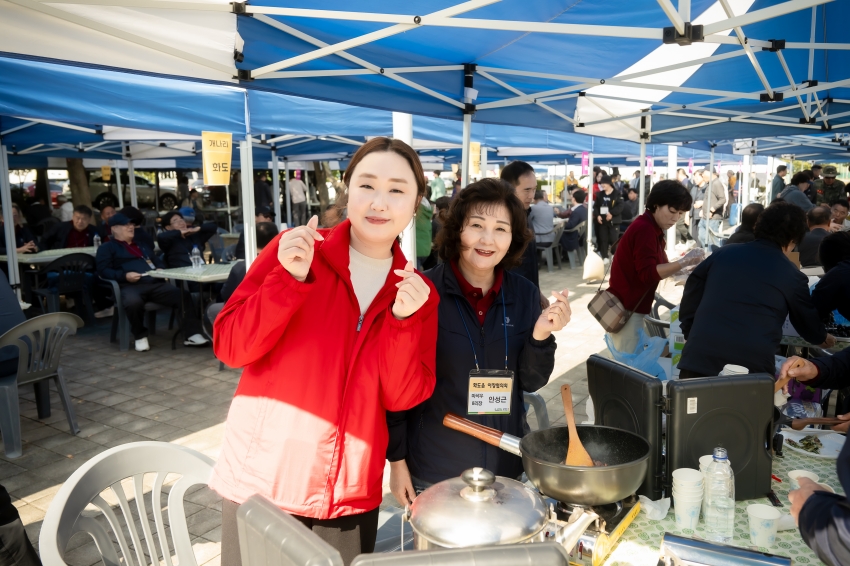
(106, 172)
(585, 162)
(217, 152)
(474, 158)
(691, 166)
(650, 161)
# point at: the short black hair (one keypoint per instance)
(751, 214)
(539, 195)
(83, 209)
(842, 202)
(782, 223)
(801, 177)
(834, 249)
(781, 168)
(669, 193)
(580, 195)
(266, 231)
(818, 216)
(816, 166)
(809, 173)
(166, 218)
(442, 203)
(514, 170)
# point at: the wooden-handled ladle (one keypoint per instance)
(576, 453)
(780, 383)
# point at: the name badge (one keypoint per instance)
(603, 210)
(490, 392)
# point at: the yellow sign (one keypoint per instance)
(106, 172)
(217, 151)
(474, 158)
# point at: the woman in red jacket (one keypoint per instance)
(333, 328)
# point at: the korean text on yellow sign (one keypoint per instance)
(217, 152)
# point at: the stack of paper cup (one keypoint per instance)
(731, 369)
(688, 486)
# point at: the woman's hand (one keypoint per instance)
(693, 257)
(412, 292)
(29, 247)
(553, 318)
(400, 484)
(295, 249)
(599, 219)
(798, 497)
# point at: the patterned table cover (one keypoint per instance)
(50, 255)
(210, 273)
(840, 343)
(641, 542)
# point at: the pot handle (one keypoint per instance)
(466, 426)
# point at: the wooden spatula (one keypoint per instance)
(780, 383)
(576, 453)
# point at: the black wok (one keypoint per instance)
(625, 453)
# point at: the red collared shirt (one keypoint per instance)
(633, 273)
(480, 302)
(77, 239)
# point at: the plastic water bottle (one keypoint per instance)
(197, 261)
(719, 498)
(96, 241)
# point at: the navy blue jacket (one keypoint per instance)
(177, 249)
(825, 518)
(569, 240)
(434, 452)
(831, 291)
(114, 261)
(735, 303)
(57, 238)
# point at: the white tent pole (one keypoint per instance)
(590, 203)
(118, 186)
(748, 166)
(248, 221)
(642, 179)
(8, 223)
(467, 134)
(276, 187)
(286, 191)
(707, 203)
(672, 155)
(403, 130)
(131, 175)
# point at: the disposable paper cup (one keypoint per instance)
(797, 474)
(688, 488)
(688, 494)
(764, 522)
(704, 461)
(687, 512)
(731, 369)
(687, 477)
(824, 487)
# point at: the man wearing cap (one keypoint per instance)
(126, 261)
(829, 189)
(177, 240)
(261, 214)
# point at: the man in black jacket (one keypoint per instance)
(824, 517)
(749, 217)
(818, 219)
(736, 301)
(261, 214)
(569, 239)
(126, 261)
(177, 240)
(75, 233)
(830, 293)
(266, 231)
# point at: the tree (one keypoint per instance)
(321, 171)
(78, 179)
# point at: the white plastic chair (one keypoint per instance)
(104, 472)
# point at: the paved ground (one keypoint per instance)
(182, 397)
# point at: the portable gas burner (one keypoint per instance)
(600, 537)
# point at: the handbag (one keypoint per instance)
(609, 310)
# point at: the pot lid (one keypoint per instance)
(476, 509)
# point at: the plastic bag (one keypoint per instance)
(594, 268)
(655, 510)
(645, 357)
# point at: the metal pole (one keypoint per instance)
(131, 174)
(590, 203)
(229, 212)
(403, 130)
(248, 221)
(118, 185)
(748, 165)
(288, 196)
(642, 180)
(276, 187)
(464, 161)
(672, 165)
(483, 165)
(707, 203)
(8, 223)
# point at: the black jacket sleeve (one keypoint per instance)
(237, 274)
(803, 314)
(831, 292)
(616, 205)
(397, 427)
(694, 289)
(167, 238)
(535, 364)
(53, 240)
(833, 371)
(106, 268)
(207, 231)
(825, 524)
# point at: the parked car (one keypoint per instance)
(104, 192)
(55, 190)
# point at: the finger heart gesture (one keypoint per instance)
(555, 317)
(295, 249)
(412, 292)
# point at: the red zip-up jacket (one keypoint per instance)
(307, 425)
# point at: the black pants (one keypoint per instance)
(606, 234)
(299, 214)
(350, 535)
(15, 547)
(135, 295)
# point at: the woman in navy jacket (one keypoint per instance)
(481, 303)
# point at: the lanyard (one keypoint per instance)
(468, 335)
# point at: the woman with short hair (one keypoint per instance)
(489, 319)
(640, 260)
